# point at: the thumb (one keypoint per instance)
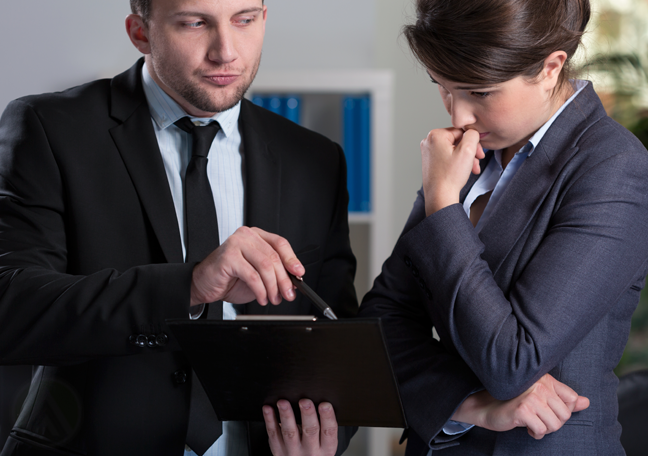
(581, 404)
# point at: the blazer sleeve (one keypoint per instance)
(49, 316)
(593, 251)
(432, 378)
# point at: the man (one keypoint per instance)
(98, 244)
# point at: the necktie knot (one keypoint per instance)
(203, 135)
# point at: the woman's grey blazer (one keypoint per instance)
(548, 285)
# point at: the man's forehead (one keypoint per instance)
(206, 4)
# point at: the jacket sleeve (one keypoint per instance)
(593, 251)
(48, 316)
(433, 380)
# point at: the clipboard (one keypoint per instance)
(245, 364)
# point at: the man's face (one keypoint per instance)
(205, 53)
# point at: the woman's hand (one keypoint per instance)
(448, 156)
(311, 438)
(542, 409)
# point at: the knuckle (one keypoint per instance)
(288, 434)
(330, 431)
(311, 431)
(267, 263)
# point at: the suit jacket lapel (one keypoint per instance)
(137, 144)
(262, 173)
(532, 182)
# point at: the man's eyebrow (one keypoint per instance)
(198, 13)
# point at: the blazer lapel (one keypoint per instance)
(532, 182)
(262, 173)
(137, 144)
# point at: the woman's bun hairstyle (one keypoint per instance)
(493, 41)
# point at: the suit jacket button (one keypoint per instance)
(408, 261)
(138, 339)
(415, 271)
(161, 339)
(179, 377)
(150, 341)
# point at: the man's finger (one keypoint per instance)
(329, 429)
(274, 432)
(289, 429)
(310, 426)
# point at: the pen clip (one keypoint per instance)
(310, 294)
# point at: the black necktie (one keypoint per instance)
(201, 239)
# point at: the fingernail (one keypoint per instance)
(267, 410)
(305, 405)
(326, 407)
(290, 293)
(282, 405)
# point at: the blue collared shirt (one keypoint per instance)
(224, 169)
(496, 179)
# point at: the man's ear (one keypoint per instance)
(138, 33)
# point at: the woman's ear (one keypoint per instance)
(138, 33)
(553, 65)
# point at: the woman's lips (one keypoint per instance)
(483, 135)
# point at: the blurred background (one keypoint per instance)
(52, 45)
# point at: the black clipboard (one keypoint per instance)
(244, 364)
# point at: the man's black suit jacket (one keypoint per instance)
(90, 255)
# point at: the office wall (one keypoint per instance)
(51, 45)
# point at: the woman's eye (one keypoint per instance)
(480, 94)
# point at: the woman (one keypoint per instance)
(526, 248)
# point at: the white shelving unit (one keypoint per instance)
(371, 234)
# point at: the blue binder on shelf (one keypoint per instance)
(357, 149)
(288, 106)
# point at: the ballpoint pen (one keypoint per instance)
(310, 294)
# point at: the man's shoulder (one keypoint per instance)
(277, 128)
(88, 93)
(87, 99)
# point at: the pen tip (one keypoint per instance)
(329, 313)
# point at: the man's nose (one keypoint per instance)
(222, 49)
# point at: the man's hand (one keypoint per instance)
(542, 409)
(448, 157)
(250, 264)
(311, 438)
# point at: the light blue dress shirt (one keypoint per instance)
(495, 178)
(224, 169)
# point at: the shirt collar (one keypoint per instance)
(530, 146)
(165, 111)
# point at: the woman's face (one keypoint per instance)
(506, 115)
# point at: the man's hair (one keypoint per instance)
(143, 8)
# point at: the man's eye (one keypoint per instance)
(245, 21)
(195, 24)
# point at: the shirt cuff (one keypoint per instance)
(456, 427)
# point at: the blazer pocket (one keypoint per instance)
(309, 255)
(579, 423)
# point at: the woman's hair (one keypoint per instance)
(493, 41)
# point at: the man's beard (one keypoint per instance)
(200, 97)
